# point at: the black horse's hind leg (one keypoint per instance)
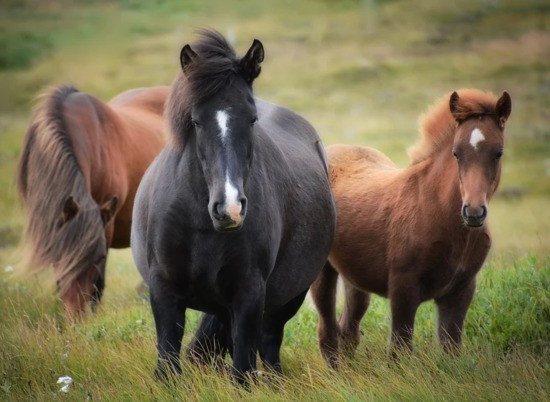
(273, 330)
(169, 316)
(212, 340)
(355, 307)
(323, 293)
(99, 287)
(452, 310)
(246, 320)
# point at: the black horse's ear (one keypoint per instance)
(453, 104)
(187, 57)
(504, 108)
(70, 209)
(250, 63)
(108, 210)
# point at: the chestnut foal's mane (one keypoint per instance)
(437, 126)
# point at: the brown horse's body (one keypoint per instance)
(78, 174)
(400, 233)
(121, 139)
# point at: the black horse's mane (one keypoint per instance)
(216, 67)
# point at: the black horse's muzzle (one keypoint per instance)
(228, 218)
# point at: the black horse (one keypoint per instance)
(235, 217)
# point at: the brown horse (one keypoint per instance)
(417, 233)
(80, 166)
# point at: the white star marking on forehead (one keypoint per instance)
(476, 137)
(222, 117)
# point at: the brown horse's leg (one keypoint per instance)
(452, 310)
(323, 293)
(356, 305)
(404, 300)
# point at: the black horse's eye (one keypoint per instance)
(254, 120)
(498, 155)
(195, 123)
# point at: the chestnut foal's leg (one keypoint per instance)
(355, 307)
(452, 310)
(404, 300)
(323, 293)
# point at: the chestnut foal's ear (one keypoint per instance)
(504, 108)
(187, 58)
(453, 104)
(250, 63)
(70, 209)
(108, 210)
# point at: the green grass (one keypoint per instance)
(111, 355)
(361, 71)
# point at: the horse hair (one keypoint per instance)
(48, 172)
(437, 126)
(219, 65)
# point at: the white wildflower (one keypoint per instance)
(67, 381)
(9, 268)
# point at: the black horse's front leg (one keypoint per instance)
(169, 314)
(246, 323)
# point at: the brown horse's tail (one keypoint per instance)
(48, 175)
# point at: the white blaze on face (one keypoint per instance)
(476, 137)
(222, 117)
(232, 203)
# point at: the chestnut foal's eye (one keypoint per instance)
(498, 155)
(455, 154)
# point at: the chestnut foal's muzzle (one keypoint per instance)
(474, 216)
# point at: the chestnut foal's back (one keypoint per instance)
(418, 233)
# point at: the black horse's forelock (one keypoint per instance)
(217, 67)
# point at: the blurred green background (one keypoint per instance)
(361, 71)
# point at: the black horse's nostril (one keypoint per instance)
(243, 201)
(220, 216)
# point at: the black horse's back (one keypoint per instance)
(235, 217)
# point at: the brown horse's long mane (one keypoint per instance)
(437, 126)
(219, 65)
(47, 174)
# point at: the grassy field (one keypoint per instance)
(361, 72)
